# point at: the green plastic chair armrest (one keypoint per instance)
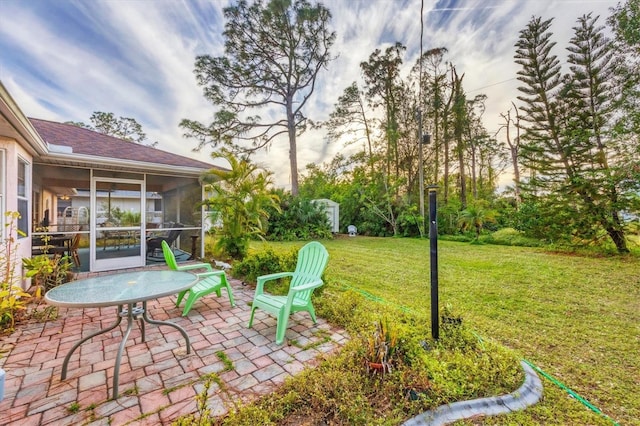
(308, 286)
(195, 266)
(269, 277)
(210, 274)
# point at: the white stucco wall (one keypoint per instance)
(12, 152)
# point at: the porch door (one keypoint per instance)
(117, 207)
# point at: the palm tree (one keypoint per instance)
(240, 199)
(476, 215)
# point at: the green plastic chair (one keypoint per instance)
(312, 260)
(208, 282)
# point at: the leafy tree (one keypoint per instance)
(593, 93)
(460, 122)
(625, 22)
(351, 119)
(484, 155)
(383, 87)
(341, 181)
(273, 54)
(513, 144)
(241, 199)
(324, 181)
(433, 82)
(120, 127)
(566, 117)
(476, 216)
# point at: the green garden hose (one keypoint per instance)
(569, 391)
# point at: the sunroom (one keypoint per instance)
(106, 201)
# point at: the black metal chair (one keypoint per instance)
(155, 243)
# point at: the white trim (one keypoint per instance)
(27, 193)
(21, 124)
(92, 161)
(119, 262)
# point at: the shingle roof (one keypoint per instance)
(87, 142)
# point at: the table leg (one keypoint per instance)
(176, 326)
(130, 313)
(77, 345)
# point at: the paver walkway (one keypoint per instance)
(158, 380)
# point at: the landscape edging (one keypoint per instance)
(528, 394)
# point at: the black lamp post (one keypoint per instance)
(433, 258)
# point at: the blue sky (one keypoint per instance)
(62, 60)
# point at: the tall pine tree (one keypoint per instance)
(565, 118)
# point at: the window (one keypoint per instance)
(23, 200)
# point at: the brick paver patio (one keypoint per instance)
(158, 380)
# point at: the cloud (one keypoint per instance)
(64, 60)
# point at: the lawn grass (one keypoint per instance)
(575, 317)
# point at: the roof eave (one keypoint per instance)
(93, 161)
(28, 135)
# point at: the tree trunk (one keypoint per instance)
(463, 177)
(514, 148)
(445, 139)
(293, 148)
(458, 130)
(474, 178)
(368, 134)
(617, 236)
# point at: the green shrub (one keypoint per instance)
(48, 272)
(341, 308)
(510, 237)
(265, 262)
(12, 298)
(297, 219)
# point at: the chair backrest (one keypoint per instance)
(75, 242)
(174, 234)
(169, 258)
(312, 260)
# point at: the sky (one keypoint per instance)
(63, 60)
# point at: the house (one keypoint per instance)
(66, 180)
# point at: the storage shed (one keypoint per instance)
(333, 213)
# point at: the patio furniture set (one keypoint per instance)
(129, 293)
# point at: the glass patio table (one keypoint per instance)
(125, 291)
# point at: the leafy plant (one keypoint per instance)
(264, 262)
(240, 199)
(510, 237)
(382, 345)
(12, 297)
(48, 271)
(296, 219)
(476, 216)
